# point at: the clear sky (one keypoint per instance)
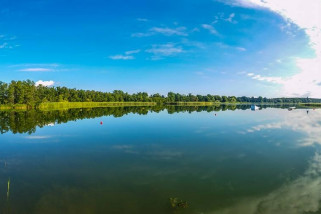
(226, 47)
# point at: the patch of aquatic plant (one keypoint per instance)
(8, 191)
(178, 203)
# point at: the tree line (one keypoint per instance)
(25, 92)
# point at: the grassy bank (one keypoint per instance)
(311, 104)
(194, 103)
(16, 106)
(68, 105)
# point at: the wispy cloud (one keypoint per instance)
(162, 50)
(127, 56)
(142, 20)
(36, 69)
(166, 31)
(277, 80)
(223, 17)
(240, 48)
(180, 31)
(210, 28)
(230, 18)
(132, 52)
(45, 83)
(122, 57)
(5, 45)
(7, 42)
(223, 45)
(192, 43)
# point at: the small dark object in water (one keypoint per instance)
(307, 111)
(177, 203)
(182, 204)
(215, 114)
(101, 122)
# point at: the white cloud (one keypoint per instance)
(230, 18)
(141, 34)
(45, 83)
(307, 16)
(277, 80)
(122, 57)
(127, 56)
(168, 49)
(166, 31)
(240, 48)
(132, 52)
(223, 17)
(180, 31)
(210, 28)
(36, 69)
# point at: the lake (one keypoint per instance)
(220, 160)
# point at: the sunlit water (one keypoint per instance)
(240, 161)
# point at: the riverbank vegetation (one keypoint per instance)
(25, 95)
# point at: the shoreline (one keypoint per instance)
(71, 105)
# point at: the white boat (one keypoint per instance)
(254, 107)
(291, 108)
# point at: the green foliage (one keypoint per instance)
(24, 94)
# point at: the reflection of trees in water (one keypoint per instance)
(27, 121)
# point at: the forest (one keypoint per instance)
(27, 93)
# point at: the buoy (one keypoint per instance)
(101, 122)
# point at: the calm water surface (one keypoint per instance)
(239, 161)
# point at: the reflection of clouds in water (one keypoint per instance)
(201, 130)
(298, 121)
(165, 154)
(37, 137)
(152, 153)
(126, 148)
(299, 196)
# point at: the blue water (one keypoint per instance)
(241, 161)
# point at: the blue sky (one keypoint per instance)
(232, 47)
